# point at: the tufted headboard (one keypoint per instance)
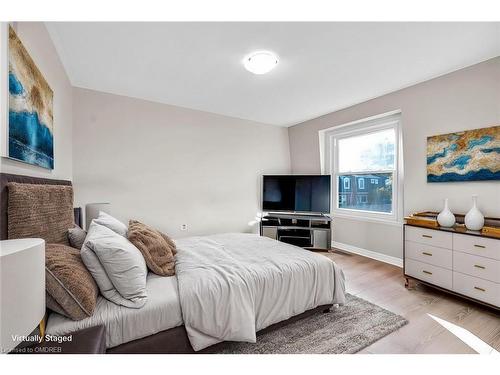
(5, 178)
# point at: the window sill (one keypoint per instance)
(368, 219)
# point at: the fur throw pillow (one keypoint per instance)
(157, 248)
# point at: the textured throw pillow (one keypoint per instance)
(117, 266)
(70, 288)
(40, 211)
(110, 222)
(158, 249)
(76, 237)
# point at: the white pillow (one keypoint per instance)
(110, 222)
(117, 266)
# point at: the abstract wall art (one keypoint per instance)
(470, 155)
(30, 126)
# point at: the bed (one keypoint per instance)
(227, 287)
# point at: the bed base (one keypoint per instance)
(176, 341)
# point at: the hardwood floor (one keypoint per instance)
(383, 284)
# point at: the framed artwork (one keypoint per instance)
(30, 104)
(471, 155)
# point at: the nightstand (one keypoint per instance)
(86, 341)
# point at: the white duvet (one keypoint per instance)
(232, 285)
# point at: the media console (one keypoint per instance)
(312, 232)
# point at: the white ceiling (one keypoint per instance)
(323, 66)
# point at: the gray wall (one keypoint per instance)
(465, 99)
(169, 166)
(37, 41)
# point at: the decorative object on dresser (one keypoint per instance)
(22, 290)
(474, 220)
(421, 221)
(446, 217)
(308, 231)
(92, 211)
(460, 261)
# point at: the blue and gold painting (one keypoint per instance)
(470, 155)
(31, 135)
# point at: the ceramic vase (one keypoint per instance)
(446, 218)
(474, 220)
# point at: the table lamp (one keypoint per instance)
(92, 211)
(22, 290)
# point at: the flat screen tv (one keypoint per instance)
(296, 193)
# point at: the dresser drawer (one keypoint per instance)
(485, 268)
(427, 272)
(429, 237)
(485, 247)
(477, 288)
(436, 256)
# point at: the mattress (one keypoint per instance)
(161, 312)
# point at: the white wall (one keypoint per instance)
(465, 99)
(169, 166)
(37, 41)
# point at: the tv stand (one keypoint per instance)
(310, 231)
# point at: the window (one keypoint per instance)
(365, 151)
(362, 199)
(361, 183)
(347, 183)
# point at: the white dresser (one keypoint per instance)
(467, 264)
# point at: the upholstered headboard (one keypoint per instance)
(5, 178)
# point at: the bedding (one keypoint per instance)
(117, 266)
(69, 286)
(110, 222)
(123, 324)
(157, 248)
(76, 237)
(232, 285)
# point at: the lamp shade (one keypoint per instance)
(22, 289)
(92, 211)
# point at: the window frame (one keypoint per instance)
(329, 165)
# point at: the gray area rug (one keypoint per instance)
(346, 329)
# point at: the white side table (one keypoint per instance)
(22, 289)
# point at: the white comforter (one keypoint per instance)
(232, 285)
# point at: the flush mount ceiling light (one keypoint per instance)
(260, 62)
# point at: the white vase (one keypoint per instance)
(446, 218)
(474, 220)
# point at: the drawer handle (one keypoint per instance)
(480, 289)
(478, 266)
(480, 246)
(426, 235)
(427, 272)
(425, 253)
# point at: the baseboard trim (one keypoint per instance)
(368, 253)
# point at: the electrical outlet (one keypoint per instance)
(184, 227)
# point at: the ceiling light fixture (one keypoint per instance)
(260, 62)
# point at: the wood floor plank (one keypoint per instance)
(383, 284)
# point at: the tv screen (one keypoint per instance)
(297, 193)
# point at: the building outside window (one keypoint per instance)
(361, 183)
